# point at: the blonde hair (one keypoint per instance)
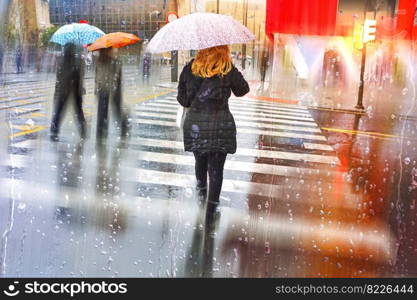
(212, 61)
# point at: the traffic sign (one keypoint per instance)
(369, 31)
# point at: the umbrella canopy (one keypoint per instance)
(76, 33)
(115, 40)
(199, 31)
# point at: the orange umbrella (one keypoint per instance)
(115, 40)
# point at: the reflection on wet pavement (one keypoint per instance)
(296, 201)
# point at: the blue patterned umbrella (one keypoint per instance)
(76, 33)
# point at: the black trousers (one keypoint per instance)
(103, 112)
(61, 99)
(213, 164)
(19, 66)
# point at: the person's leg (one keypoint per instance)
(19, 66)
(78, 98)
(61, 98)
(201, 165)
(121, 118)
(216, 162)
(102, 114)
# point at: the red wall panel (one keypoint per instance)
(405, 18)
(304, 17)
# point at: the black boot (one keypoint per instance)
(212, 212)
(83, 131)
(125, 128)
(54, 137)
(54, 134)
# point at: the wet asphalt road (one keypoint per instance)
(297, 200)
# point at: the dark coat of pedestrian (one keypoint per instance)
(108, 87)
(69, 82)
(209, 130)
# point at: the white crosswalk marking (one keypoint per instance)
(238, 123)
(318, 147)
(20, 161)
(284, 189)
(255, 119)
(290, 116)
(276, 119)
(234, 107)
(243, 130)
(247, 152)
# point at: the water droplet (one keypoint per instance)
(21, 206)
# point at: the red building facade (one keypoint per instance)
(321, 17)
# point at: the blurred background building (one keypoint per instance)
(318, 44)
(293, 37)
(25, 20)
(141, 17)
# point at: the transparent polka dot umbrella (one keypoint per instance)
(199, 31)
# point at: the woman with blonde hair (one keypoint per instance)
(209, 130)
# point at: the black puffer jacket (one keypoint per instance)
(209, 125)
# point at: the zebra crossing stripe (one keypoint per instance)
(19, 161)
(278, 115)
(245, 108)
(276, 120)
(250, 101)
(258, 103)
(278, 127)
(322, 147)
(248, 117)
(235, 186)
(243, 130)
(238, 123)
(37, 191)
(283, 134)
(264, 103)
(240, 165)
(240, 151)
(378, 240)
(252, 113)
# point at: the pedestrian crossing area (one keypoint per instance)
(282, 156)
(284, 188)
(26, 101)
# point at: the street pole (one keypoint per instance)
(368, 34)
(174, 66)
(245, 22)
(218, 6)
(254, 43)
(359, 105)
(173, 7)
(258, 58)
(150, 26)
